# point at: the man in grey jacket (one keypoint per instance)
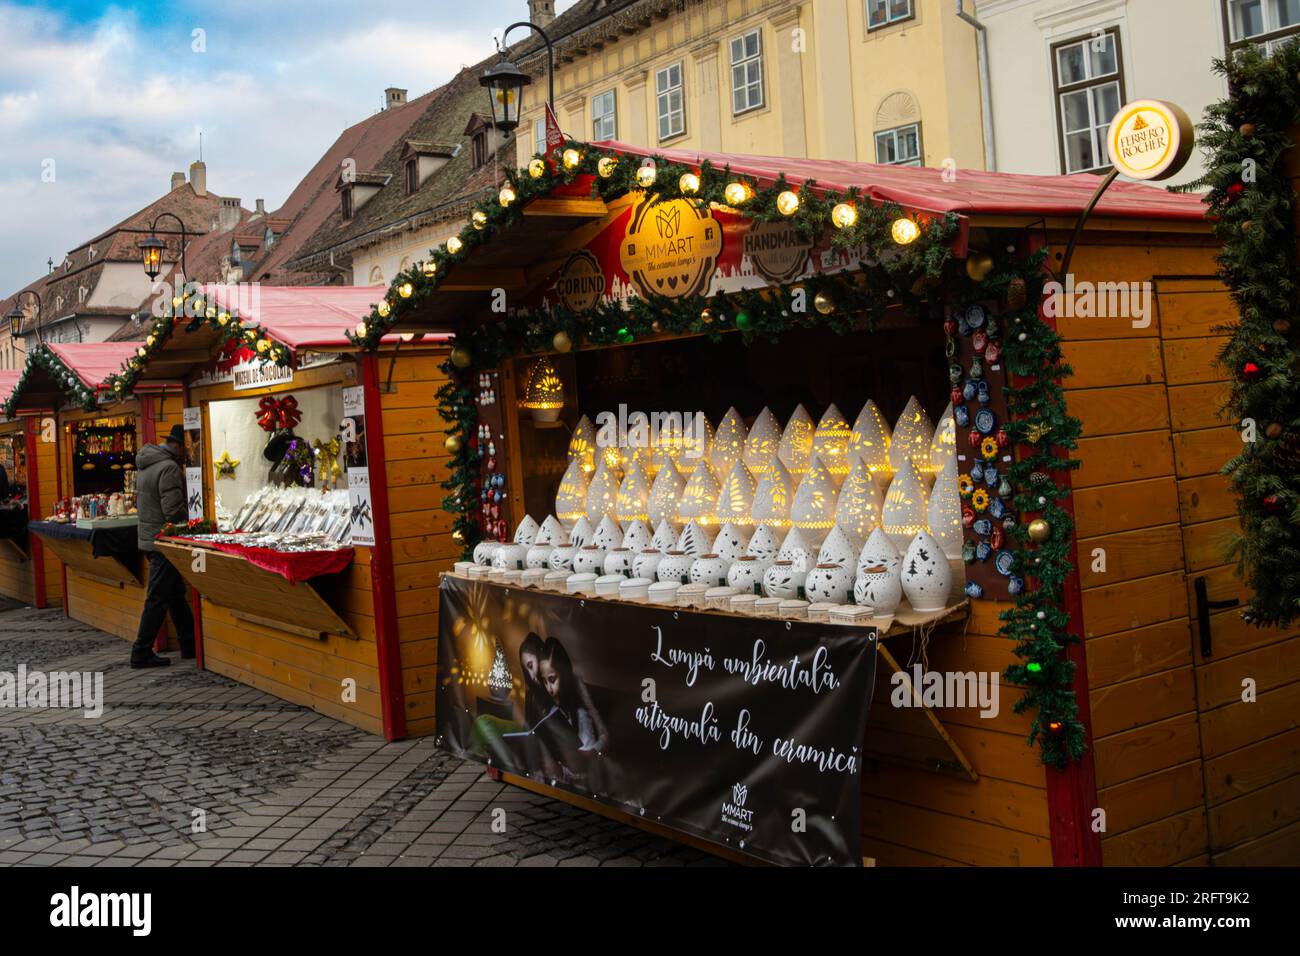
(160, 498)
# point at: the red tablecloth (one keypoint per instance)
(290, 565)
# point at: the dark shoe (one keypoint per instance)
(153, 660)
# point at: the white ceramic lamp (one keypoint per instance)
(927, 575)
(906, 505)
(943, 447)
(912, 435)
(601, 493)
(736, 498)
(630, 504)
(763, 442)
(858, 508)
(571, 497)
(582, 446)
(695, 444)
(728, 444)
(773, 497)
(796, 442)
(831, 443)
(813, 508)
(699, 499)
(870, 440)
(944, 511)
(664, 494)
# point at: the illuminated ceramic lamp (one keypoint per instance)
(763, 441)
(544, 391)
(813, 508)
(943, 447)
(633, 496)
(944, 510)
(571, 497)
(601, 494)
(736, 499)
(796, 442)
(831, 443)
(913, 433)
(906, 507)
(773, 497)
(699, 499)
(695, 444)
(860, 505)
(582, 445)
(728, 444)
(870, 440)
(664, 495)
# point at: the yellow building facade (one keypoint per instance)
(868, 80)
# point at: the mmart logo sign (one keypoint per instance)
(734, 813)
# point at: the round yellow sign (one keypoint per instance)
(1150, 139)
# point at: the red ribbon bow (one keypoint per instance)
(273, 413)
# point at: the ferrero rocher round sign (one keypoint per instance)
(1150, 139)
(671, 248)
(580, 283)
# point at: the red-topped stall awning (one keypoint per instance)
(8, 382)
(92, 362)
(300, 317)
(76, 372)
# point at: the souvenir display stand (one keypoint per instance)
(1086, 440)
(29, 572)
(314, 487)
(89, 522)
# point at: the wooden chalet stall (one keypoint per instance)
(95, 434)
(346, 628)
(1185, 772)
(29, 572)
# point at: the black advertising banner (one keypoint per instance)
(742, 731)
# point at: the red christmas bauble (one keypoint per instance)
(1235, 190)
(1272, 505)
(1251, 372)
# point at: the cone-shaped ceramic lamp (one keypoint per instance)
(664, 494)
(943, 447)
(831, 443)
(906, 506)
(582, 446)
(728, 444)
(699, 500)
(763, 443)
(858, 509)
(796, 442)
(551, 532)
(736, 499)
(773, 497)
(870, 442)
(944, 510)
(616, 457)
(646, 457)
(911, 439)
(571, 498)
(601, 493)
(633, 495)
(696, 440)
(813, 508)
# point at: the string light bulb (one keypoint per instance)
(383, 308)
(479, 219)
(507, 195)
(536, 168)
(904, 231)
(454, 245)
(606, 166)
(844, 215)
(689, 183)
(737, 193)
(645, 175)
(405, 290)
(787, 203)
(571, 158)
(429, 267)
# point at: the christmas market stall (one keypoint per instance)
(797, 490)
(88, 520)
(28, 571)
(313, 477)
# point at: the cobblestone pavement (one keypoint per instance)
(273, 783)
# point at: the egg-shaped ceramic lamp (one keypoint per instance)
(696, 440)
(699, 499)
(927, 574)
(601, 493)
(543, 391)
(526, 531)
(943, 514)
(728, 444)
(736, 498)
(912, 435)
(831, 443)
(582, 444)
(664, 495)
(796, 442)
(633, 495)
(773, 497)
(813, 508)
(860, 503)
(906, 506)
(571, 496)
(943, 447)
(551, 532)
(870, 440)
(762, 443)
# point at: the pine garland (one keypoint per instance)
(42, 356)
(1251, 200)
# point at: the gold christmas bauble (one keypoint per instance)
(823, 303)
(458, 536)
(978, 266)
(452, 443)
(706, 316)
(1039, 531)
(561, 342)
(461, 357)
(1273, 431)
(1282, 326)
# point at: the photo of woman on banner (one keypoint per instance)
(503, 740)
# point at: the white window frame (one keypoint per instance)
(607, 119)
(893, 134)
(539, 134)
(743, 61)
(663, 101)
(1098, 126)
(890, 16)
(1273, 35)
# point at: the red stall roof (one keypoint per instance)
(301, 316)
(8, 381)
(93, 362)
(970, 191)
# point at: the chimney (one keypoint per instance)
(261, 207)
(228, 214)
(178, 180)
(199, 177)
(394, 97)
(541, 12)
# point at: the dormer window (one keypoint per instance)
(412, 175)
(480, 149)
(345, 197)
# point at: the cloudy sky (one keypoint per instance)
(110, 98)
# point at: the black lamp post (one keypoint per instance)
(505, 82)
(151, 249)
(16, 316)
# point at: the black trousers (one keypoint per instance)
(165, 594)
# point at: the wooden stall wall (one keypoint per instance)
(18, 573)
(914, 814)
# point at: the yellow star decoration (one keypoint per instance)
(226, 465)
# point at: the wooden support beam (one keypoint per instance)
(573, 207)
